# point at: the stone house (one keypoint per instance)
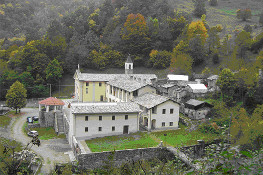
(196, 109)
(90, 120)
(124, 90)
(159, 112)
(212, 83)
(196, 90)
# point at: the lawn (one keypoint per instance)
(175, 138)
(121, 142)
(46, 133)
(6, 119)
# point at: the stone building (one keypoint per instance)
(196, 109)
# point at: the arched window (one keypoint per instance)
(129, 66)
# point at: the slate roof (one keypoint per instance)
(200, 76)
(185, 83)
(177, 77)
(150, 100)
(196, 104)
(198, 88)
(168, 85)
(129, 60)
(127, 84)
(213, 77)
(52, 101)
(99, 108)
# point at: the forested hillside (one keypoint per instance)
(41, 39)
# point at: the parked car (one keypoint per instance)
(29, 120)
(35, 118)
(32, 133)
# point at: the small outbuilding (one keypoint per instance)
(196, 90)
(196, 109)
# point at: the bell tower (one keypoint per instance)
(129, 65)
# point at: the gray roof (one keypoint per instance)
(129, 60)
(168, 85)
(185, 83)
(213, 77)
(98, 108)
(150, 100)
(109, 77)
(127, 84)
(194, 102)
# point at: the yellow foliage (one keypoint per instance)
(10, 5)
(92, 23)
(153, 53)
(197, 28)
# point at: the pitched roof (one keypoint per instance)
(177, 77)
(52, 101)
(200, 76)
(185, 83)
(98, 108)
(198, 88)
(150, 100)
(127, 84)
(129, 60)
(168, 85)
(195, 104)
(213, 77)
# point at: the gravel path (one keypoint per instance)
(52, 151)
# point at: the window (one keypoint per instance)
(126, 117)
(101, 98)
(100, 117)
(87, 83)
(171, 111)
(163, 123)
(100, 128)
(87, 90)
(154, 110)
(171, 123)
(100, 84)
(135, 93)
(86, 118)
(113, 128)
(113, 117)
(164, 110)
(86, 129)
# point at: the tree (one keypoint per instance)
(227, 84)
(197, 28)
(213, 2)
(199, 7)
(244, 14)
(181, 63)
(197, 50)
(53, 72)
(213, 40)
(243, 42)
(160, 59)
(261, 18)
(16, 96)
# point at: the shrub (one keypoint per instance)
(213, 2)
(248, 28)
(209, 128)
(244, 14)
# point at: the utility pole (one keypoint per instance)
(49, 90)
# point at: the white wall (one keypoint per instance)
(106, 123)
(167, 117)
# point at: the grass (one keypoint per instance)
(175, 138)
(5, 120)
(121, 142)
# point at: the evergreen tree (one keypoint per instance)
(16, 96)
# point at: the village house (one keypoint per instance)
(212, 83)
(196, 109)
(159, 112)
(196, 90)
(92, 87)
(90, 120)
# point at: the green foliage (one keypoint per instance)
(199, 8)
(213, 2)
(160, 59)
(16, 96)
(243, 42)
(209, 128)
(53, 72)
(4, 120)
(261, 18)
(197, 50)
(244, 14)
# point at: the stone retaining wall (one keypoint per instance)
(97, 160)
(33, 125)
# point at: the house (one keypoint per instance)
(124, 90)
(92, 87)
(90, 120)
(158, 112)
(196, 90)
(212, 82)
(196, 109)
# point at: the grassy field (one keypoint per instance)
(6, 119)
(175, 138)
(45, 133)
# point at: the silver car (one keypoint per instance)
(32, 133)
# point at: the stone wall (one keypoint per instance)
(33, 125)
(97, 160)
(46, 119)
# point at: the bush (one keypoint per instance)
(213, 2)
(248, 28)
(209, 128)
(244, 14)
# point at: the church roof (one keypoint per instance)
(129, 60)
(127, 84)
(98, 108)
(52, 101)
(150, 100)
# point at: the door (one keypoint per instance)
(126, 129)
(153, 123)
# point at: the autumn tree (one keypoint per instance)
(197, 28)
(227, 84)
(16, 96)
(134, 34)
(160, 59)
(53, 72)
(181, 63)
(244, 14)
(199, 8)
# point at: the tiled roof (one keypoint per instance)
(109, 77)
(127, 84)
(150, 100)
(98, 108)
(52, 101)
